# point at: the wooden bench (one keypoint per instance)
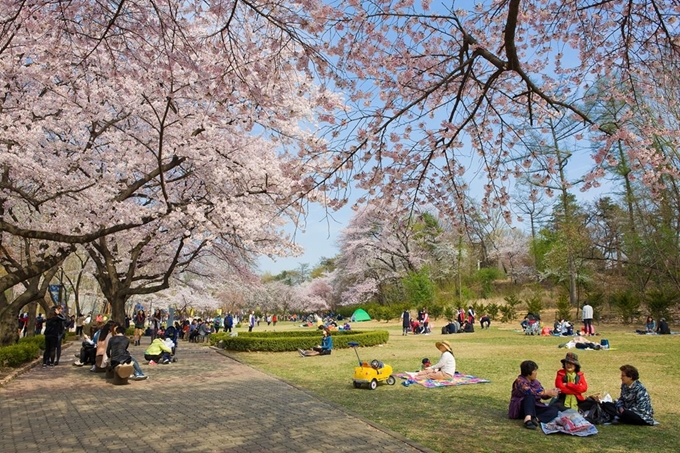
(98, 364)
(120, 374)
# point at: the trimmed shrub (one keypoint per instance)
(18, 354)
(293, 340)
(37, 339)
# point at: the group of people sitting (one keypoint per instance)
(534, 404)
(109, 345)
(652, 328)
(457, 327)
(418, 327)
(108, 348)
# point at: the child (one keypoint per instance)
(425, 363)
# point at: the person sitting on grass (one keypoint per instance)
(117, 350)
(662, 328)
(634, 406)
(442, 370)
(650, 327)
(324, 348)
(158, 352)
(571, 382)
(526, 396)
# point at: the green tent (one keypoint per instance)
(360, 315)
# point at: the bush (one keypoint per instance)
(448, 313)
(436, 311)
(492, 310)
(20, 353)
(37, 339)
(509, 310)
(535, 304)
(563, 306)
(486, 276)
(659, 303)
(294, 340)
(420, 290)
(626, 305)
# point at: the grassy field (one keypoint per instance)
(474, 417)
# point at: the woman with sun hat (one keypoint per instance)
(444, 369)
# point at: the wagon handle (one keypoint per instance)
(354, 344)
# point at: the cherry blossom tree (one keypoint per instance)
(377, 249)
(27, 268)
(315, 295)
(444, 89)
(121, 115)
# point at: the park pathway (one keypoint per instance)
(205, 402)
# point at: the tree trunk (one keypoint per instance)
(118, 308)
(31, 308)
(9, 330)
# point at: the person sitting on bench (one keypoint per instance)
(118, 353)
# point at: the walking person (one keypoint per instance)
(39, 322)
(63, 326)
(426, 322)
(251, 321)
(80, 320)
(587, 316)
(228, 323)
(53, 326)
(405, 322)
(140, 321)
(155, 324)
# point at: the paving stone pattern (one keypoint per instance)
(205, 402)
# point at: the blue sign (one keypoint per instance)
(54, 293)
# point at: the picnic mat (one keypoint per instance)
(458, 379)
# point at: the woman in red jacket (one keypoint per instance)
(571, 382)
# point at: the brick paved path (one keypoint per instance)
(206, 402)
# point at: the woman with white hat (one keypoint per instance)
(444, 369)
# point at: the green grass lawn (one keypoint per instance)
(474, 417)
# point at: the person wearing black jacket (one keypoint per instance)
(118, 353)
(54, 329)
(662, 328)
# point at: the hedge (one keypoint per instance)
(26, 350)
(294, 340)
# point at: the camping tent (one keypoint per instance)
(360, 315)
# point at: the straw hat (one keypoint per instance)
(445, 344)
(571, 358)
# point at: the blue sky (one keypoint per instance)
(319, 240)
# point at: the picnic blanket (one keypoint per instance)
(569, 422)
(458, 379)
